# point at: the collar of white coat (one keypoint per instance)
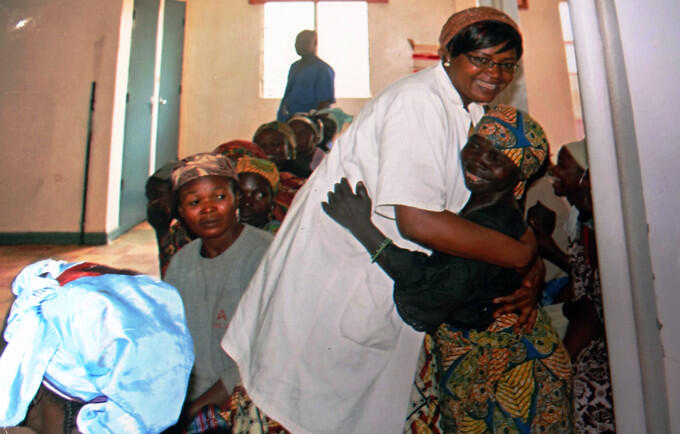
(476, 110)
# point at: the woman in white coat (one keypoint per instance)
(318, 341)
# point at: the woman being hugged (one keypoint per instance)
(492, 379)
(328, 352)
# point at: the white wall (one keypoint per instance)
(222, 63)
(47, 69)
(651, 42)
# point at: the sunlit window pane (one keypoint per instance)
(565, 20)
(282, 22)
(344, 49)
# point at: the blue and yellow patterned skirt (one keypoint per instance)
(498, 381)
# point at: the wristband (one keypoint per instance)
(386, 242)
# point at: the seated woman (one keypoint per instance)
(161, 213)
(258, 182)
(333, 121)
(277, 140)
(585, 338)
(212, 271)
(308, 134)
(493, 378)
(83, 354)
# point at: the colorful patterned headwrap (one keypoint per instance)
(460, 20)
(200, 165)
(314, 124)
(235, 149)
(518, 136)
(262, 167)
(284, 129)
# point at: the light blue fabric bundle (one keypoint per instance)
(117, 342)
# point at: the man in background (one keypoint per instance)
(310, 80)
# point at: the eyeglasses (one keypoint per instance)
(486, 63)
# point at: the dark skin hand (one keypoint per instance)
(353, 211)
(542, 220)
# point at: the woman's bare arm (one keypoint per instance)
(448, 232)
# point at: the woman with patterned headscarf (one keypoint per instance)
(334, 355)
(492, 378)
(258, 181)
(277, 140)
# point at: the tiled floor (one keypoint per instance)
(135, 250)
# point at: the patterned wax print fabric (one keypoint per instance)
(110, 338)
(424, 416)
(262, 167)
(499, 381)
(593, 404)
(235, 149)
(329, 353)
(308, 85)
(519, 137)
(245, 418)
(288, 188)
(171, 243)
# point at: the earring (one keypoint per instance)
(447, 63)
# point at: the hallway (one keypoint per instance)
(135, 250)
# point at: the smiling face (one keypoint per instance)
(208, 207)
(566, 174)
(256, 199)
(487, 169)
(477, 84)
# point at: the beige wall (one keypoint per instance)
(47, 69)
(223, 56)
(222, 63)
(545, 71)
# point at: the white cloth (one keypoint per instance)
(211, 289)
(317, 339)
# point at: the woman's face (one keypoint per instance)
(487, 169)
(566, 174)
(208, 207)
(478, 84)
(256, 199)
(273, 143)
(304, 138)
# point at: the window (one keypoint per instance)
(568, 38)
(342, 29)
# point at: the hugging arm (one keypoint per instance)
(449, 233)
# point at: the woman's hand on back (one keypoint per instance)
(524, 301)
(350, 210)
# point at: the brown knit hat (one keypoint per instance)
(460, 20)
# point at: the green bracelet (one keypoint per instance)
(386, 242)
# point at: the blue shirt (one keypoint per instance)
(308, 85)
